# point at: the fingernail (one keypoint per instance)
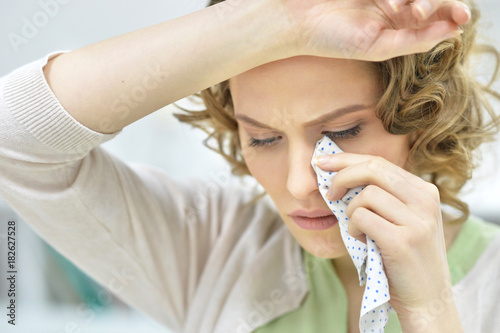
(329, 194)
(467, 11)
(322, 159)
(424, 8)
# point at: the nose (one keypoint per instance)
(301, 178)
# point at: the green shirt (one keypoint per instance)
(325, 307)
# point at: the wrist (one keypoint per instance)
(436, 317)
(263, 26)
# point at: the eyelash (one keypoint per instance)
(345, 134)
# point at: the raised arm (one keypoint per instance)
(110, 84)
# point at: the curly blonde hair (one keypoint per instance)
(430, 96)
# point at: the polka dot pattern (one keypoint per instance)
(366, 257)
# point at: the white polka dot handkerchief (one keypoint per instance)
(367, 258)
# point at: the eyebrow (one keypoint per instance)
(321, 119)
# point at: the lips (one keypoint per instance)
(320, 219)
(311, 214)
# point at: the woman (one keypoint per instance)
(283, 76)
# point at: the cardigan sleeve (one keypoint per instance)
(141, 234)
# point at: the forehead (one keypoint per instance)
(302, 83)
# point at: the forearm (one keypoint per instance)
(110, 84)
(439, 317)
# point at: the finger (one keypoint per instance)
(421, 197)
(365, 222)
(358, 170)
(384, 175)
(461, 14)
(409, 41)
(354, 231)
(335, 162)
(447, 10)
(422, 9)
(383, 204)
(457, 12)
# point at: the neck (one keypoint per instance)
(346, 271)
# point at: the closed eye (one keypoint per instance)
(261, 143)
(345, 134)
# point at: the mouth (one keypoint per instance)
(315, 220)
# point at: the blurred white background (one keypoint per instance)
(53, 296)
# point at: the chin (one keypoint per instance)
(326, 250)
(321, 244)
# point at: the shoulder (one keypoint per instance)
(480, 240)
(477, 295)
(220, 199)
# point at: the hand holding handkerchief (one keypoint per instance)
(366, 257)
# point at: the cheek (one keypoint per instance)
(394, 148)
(267, 167)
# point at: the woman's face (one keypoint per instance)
(283, 108)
